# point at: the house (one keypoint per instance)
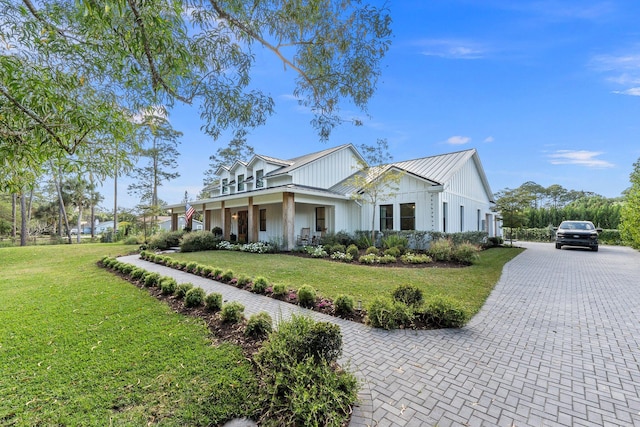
(299, 199)
(164, 222)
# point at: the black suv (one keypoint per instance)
(577, 233)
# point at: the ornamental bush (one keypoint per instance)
(168, 285)
(198, 241)
(307, 296)
(383, 312)
(182, 289)
(393, 251)
(341, 256)
(444, 312)
(226, 276)
(191, 266)
(465, 253)
(344, 305)
(408, 294)
(260, 285)
(441, 250)
(279, 289)
(165, 240)
(194, 297)
(259, 325)
(372, 250)
(213, 301)
(151, 279)
(411, 258)
(353, 251)
(137, 273)
(232, 312)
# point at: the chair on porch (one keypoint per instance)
(304, 237)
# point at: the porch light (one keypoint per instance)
(234, 216)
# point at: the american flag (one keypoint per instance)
(189, 211)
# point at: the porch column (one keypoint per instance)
(288, 220)
(174, 221)
(252, 219)
(225, 220)
(207, 220)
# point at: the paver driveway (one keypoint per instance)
(557, 343)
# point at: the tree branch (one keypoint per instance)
(275, 49)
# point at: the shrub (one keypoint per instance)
(213, 301)
(217, 272)
(395, 241)
(368, 259)
(137, 273)
(259, 325)
(353, 251)
(206, 271)
(168, 285)
(131, 240)
(408, 294)
(165, 240)
(243, 281)
(232, 312)
(151, 279)
(183, 265)
(441, 250)
(260, 285)
(226, 276)
(394, 252)
(338, 248)
(316, 251)
(279, 289)
(191, 266)
(198, 241)
(194, 297)
(385, 313)
(372, 250)
(344, 305)
(465, 253)
(341, 256)
(127, 269)
(299, 385)
(445, 312)
(306, 296)
(182, 289)
(411, 258)
(387, 259)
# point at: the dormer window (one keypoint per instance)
(225, 183)
(240, 182)
(259, 180)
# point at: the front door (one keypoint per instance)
(243, 226)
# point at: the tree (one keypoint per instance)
(375, 181)
(161, 154)
(74, 69)
(630, 213)
(237, 150)
(80, 193)
(512, 205)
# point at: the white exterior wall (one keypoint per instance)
(328, 170)
(465, 189)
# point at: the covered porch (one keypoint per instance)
(290, 218)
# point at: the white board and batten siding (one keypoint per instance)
(327, 170)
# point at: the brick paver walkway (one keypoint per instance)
(556, 344)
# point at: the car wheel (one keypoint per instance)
(595, 249)
(558, 246)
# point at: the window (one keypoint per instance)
(259, 180)
(445, 214)
(386, 217)
(240, 182)
(320, 221)
(407, 216)
(263, 220)
(225, 182)
(461, 218)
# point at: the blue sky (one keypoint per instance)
(546, 91)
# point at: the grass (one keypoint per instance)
(470, 285)
(79, 346)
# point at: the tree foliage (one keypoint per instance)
(73, 73)
(630, 215)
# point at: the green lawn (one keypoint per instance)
(79, 346)
(470, 285)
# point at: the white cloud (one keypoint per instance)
(453, 49)
(458, 140)
(489, 139)
(579, 157)
(634, 91)
(622, 69)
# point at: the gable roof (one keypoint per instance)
(298, 162)
(436, 169)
